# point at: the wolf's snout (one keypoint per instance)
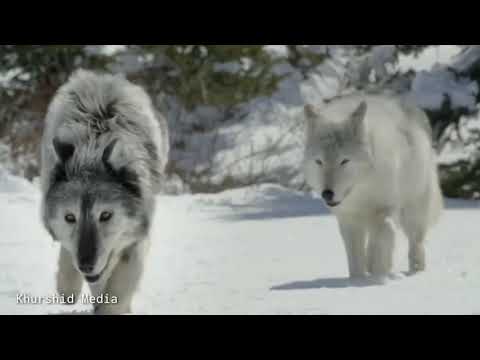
(86, 266)
(328, 196)
(87, 258)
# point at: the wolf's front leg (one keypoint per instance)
(69, 280)
(124, 281)
(355, 236)
(381, 246)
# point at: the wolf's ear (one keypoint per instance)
(64, 150)
(357, 119)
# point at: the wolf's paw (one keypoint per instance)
(379, 279)
(411, 273)
(416, 269)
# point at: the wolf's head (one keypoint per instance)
(337, 155)
(94, 209)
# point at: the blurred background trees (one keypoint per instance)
(209, 90)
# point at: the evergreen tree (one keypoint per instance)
(38, 66)
(213, 75)
(222, 77)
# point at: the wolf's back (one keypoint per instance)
(91, 110)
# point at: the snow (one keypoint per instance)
(111, 50)
(427, 59)
(12, 184)
(452, 154)
(467, 59)
(107, 50)
(430, 89)
(7, 76)
(277, 51)
(376, 65)
(258, 250)
(438, 76)
(244, 65)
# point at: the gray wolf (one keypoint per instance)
(372, 160)
(103, 156)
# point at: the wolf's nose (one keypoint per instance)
(328, 195)
(86, 268)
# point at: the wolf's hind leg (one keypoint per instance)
(415, 226)
(416, 220)
(69, 280)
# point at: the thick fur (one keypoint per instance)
(372, 159)
(104, 153)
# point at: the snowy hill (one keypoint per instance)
(258, 250)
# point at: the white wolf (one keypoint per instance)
(372, 160)
(104, 152)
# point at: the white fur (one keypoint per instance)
(391, 179)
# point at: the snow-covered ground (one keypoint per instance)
(260, 250)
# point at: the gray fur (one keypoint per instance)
(104, 150)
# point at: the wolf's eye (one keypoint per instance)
(106, 216)
(70, 218)
(345, 162)
(319, 162)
